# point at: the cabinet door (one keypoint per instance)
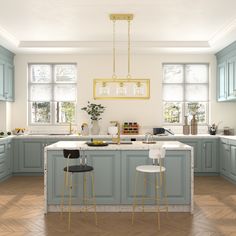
(129, 161)
(9, 157)
(3, 162)
(209, 156)
(31, 156)
(224, 158)
(2, 81)
(106, 166)
(9, 82)
(231, 78)
(221, 81)
(232, 166)
(178, 176)
(196, 144)
(55, 179)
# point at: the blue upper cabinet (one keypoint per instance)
(226, 73)
(6, 75)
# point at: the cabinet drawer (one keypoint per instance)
(2, 148)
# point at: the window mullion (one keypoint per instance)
(52, 101)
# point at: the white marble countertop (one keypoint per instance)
(104, 136)
(136, 145)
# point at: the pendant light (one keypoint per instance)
(118, 87)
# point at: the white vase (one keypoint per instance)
(95, 127)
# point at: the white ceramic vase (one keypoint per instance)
(95, 129)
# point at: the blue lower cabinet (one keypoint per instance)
(5, 159)
(224, 158)
(114, 175)
(177, 182)
(232, 163)
(55, 180)
(129, 161)
(106, 166)
(30, 155)
(196, 144)
(210, 156)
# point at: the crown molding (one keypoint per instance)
(219, 40)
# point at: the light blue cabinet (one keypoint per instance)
(226, 73)
(228, 159)
(6, 75)
(107, 171)
(129, 161)
(224, 158)
(210, 156)
(232, 162)
(206, 158)
(55, 180)
(114, 173)
(106, 176)
(221, 70)
(231, 78)
(196, 144)
(178, 176)
(5, 159)
(31, 155)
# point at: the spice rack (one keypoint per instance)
(130, 128)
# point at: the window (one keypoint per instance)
(185, 92)
(52, 93)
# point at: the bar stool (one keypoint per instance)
(157, 155)
(68, 172)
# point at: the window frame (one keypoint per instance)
(52, 102)
(184, 102)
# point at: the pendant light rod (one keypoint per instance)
(114, 50)
(128, 75)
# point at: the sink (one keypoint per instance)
(122, 142)
(149, 142)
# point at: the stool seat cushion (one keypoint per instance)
(79, 168)
(150, 169)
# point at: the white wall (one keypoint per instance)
(147, 113)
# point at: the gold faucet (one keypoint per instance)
(116, 139)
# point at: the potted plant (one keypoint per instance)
(94, 111)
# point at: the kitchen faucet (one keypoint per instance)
(117, 138)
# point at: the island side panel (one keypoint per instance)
(178, 178)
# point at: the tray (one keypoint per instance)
(97, 145)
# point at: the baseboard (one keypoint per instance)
(27, 174)
(119, 208)
(5, 178)
(206, 174)
(227, 178)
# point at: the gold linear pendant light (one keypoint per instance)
(121, 88)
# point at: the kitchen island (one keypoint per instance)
(114, 171)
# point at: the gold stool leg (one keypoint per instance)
(165, 194)
(157, 197)
(69, 219)
(63, 194)
(85, 192)
(94, 200)
(145, 189)
(135, 193)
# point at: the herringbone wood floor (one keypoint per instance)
(21, 213)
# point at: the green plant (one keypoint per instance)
(94, 110)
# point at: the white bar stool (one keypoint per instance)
(157, 155)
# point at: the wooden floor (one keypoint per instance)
(21, 213)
